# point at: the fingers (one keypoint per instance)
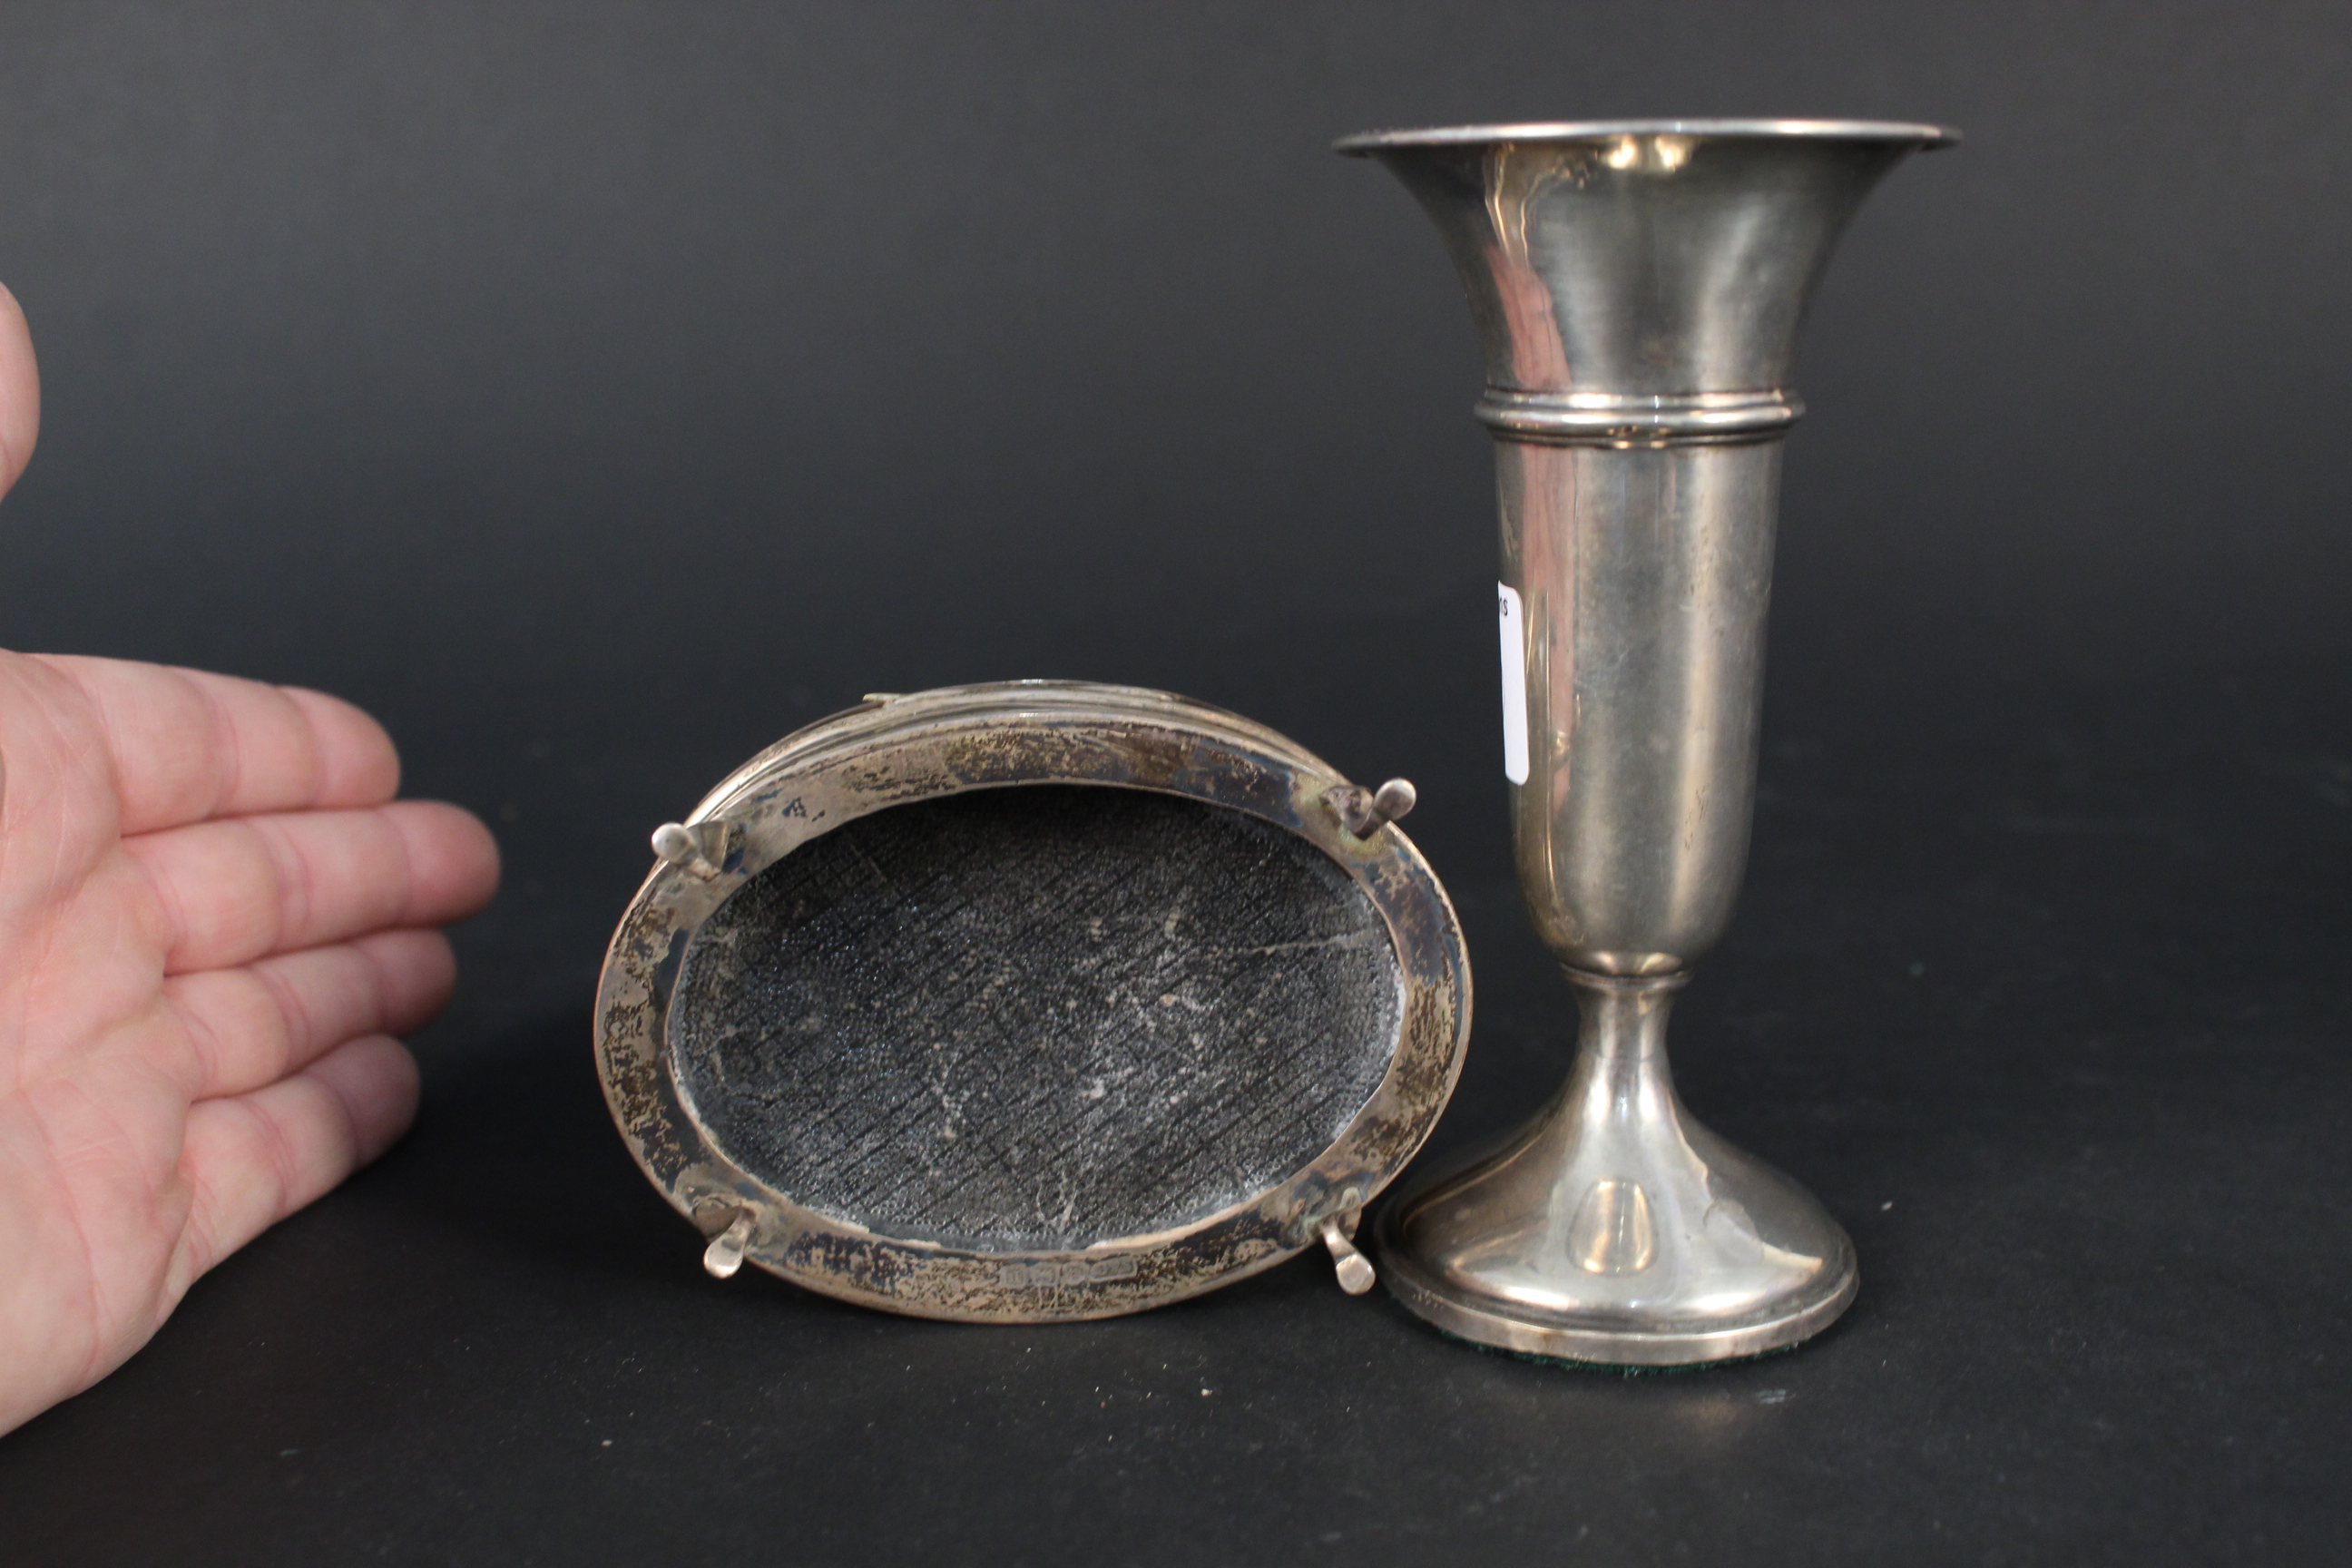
(189, 745)
(234, 890)
(250, 1160)
(20, 392)
(253, 1026)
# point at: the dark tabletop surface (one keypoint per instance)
(598, 391)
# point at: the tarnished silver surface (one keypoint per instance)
(1365, 811)
(1637, 287)
(897, 750)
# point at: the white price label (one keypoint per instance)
(1515, 685)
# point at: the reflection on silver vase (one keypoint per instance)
(1637, 288)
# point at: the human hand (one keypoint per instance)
(213, 920)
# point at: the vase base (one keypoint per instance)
(1487, 1319)
(1627, 1241)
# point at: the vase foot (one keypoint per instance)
(1630, 1241)
(1486, 1318)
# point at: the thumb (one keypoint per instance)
(20, 392)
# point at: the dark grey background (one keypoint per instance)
(599, 391)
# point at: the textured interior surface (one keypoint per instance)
(1037, 1016)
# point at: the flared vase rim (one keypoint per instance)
(1922, 136)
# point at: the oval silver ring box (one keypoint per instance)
(1032, 1001)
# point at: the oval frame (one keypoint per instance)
(895, 750)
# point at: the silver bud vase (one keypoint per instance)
(1637, 288)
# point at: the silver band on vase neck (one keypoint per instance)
(1637, 287)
